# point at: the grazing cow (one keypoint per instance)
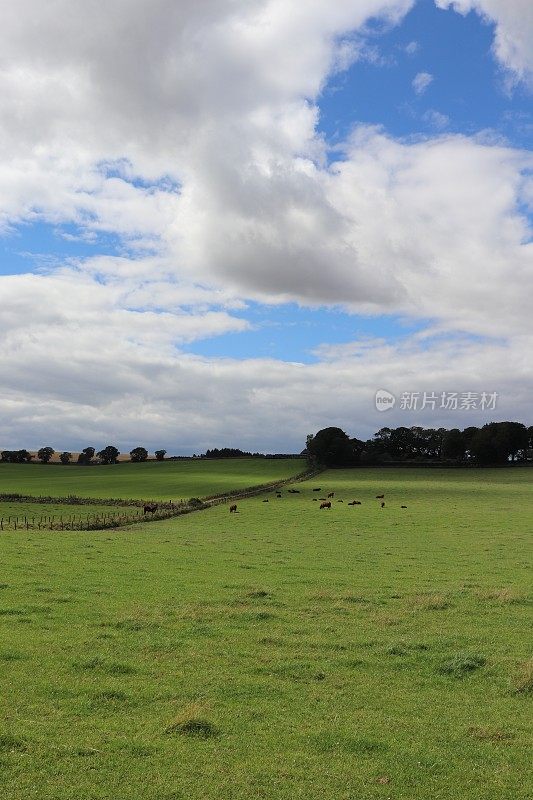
(380, 496)
(340, 501)
(150, 508)
(265, 501)
(326, 504)
(315, 500)
(331, 494)
(317, 490)
(233, 508)
(353, 503)
(404, 506)
(382, 504)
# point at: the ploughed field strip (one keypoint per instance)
(281, 651)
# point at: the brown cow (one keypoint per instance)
(150, 508)
(326, 504)
(233, 508)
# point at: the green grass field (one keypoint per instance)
(282, 652)
(157, 480)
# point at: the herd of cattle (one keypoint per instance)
(325, 502)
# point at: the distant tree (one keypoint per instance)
(483, 447)
(516, 438)
(530, 442)
(65, 457)
(45, 454)
(226, 452)
(16, 456)
(468, 435)
(160, 454)
(109, 454)
(139, 454)
(86, 455)
(331, 447)
(454, 445)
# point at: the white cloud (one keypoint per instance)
(421, 81)
(436, 119)
(514, 31)
(190, 131)
(185, 404)
(411, 48)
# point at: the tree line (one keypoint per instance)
(87, 457)
(494, 443)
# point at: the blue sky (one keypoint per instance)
(209, 194)
(467, 87)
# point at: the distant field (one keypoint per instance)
(281, 652)
(158, 480)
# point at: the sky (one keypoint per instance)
(233, 222)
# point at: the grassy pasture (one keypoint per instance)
(282, 652)
(157, 480)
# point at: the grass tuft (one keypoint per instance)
(433, 602)
(490, 734)
(505, 595)
(328, 741)
(192, 722)
(524, 679)
(462, 664)
(110, 696)
(259, 594)
(11, 744)
(12, 655)
(101, 665)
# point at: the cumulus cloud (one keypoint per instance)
(436, 119)
(187, 404)
(513, 35)
(412, 47)
(189, 130)
(421, 81)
